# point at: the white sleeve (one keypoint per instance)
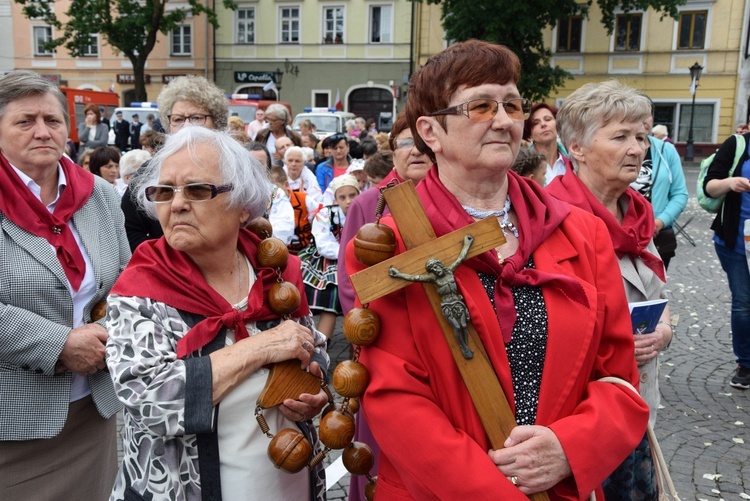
(281, 217)
(325, 241)
(311, 185)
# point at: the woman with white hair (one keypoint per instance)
(602, 126)
(131, 162)
(192, 99)
(191, 332)
(300, 176)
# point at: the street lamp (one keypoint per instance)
(695, 76)
(277, 78)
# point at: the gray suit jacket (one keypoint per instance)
(100, 138)
(36, 315)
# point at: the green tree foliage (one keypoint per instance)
(519, 24)
(130, 27)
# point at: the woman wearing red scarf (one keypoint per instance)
(62, 246)
(191, 334)
(603, 127)
(551, 317)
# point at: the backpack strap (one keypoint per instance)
(740, 149)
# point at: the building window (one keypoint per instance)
(42, 34)
(246, 25)
(289, 25)
(333, 25)
(321, 99)
(92, 49)
(380, 24)
(628, 32)
(569, 34)
(182, 40)
(692, 30)
(703, 124)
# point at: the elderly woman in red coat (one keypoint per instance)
(551, 314)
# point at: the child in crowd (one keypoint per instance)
(320, 258)
(279, 211)
(357, 169)
(378, 166)
(531, 164)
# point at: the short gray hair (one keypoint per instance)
(595, 105)
(237, 166)
(294, 149)
(360, 120)
(132, 161)
(199, 91)
(20, 84)
(278, 110)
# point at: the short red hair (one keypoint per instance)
(471, 64)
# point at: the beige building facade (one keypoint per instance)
(314, 51)
(186, 50)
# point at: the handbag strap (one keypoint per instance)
(660, 463)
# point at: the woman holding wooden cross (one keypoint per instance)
(544, 306)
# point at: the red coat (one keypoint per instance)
(432, 440)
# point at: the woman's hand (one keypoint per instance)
(286, 341)
(648, 346)
(308, 406)
(658, 226)
(533, 457)
(738, 184)
(233, 364)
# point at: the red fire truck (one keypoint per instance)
(79, 98)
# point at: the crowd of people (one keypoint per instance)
(134, 285)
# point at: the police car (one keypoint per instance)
(143, 110)
(327, 121)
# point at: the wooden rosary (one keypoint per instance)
(289, 449)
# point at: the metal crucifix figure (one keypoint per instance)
(452, 302)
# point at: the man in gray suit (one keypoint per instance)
(62, 246)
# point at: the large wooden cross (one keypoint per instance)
(419, 237)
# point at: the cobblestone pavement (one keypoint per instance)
(703, 423)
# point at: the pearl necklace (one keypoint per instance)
(505, 224)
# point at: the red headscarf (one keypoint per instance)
(538, 216)
(22, 207)
(161, 273)
(632, 236)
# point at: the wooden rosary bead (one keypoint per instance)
(261, 227)
(272, 253)
(361, 326)
(336, 429)
(370, 489)
(353, 405)
(358, 458)
(350, 379)
(283, 298)
(337, 407)
(289, 450)
(374, 243)
(99, 311)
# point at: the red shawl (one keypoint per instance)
(632, 236)
(538, 215)
(28, 212)
(159, 272)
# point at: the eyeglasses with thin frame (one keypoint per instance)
(407, 142)
(482, 110)
(195, 192)
(195, 119)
